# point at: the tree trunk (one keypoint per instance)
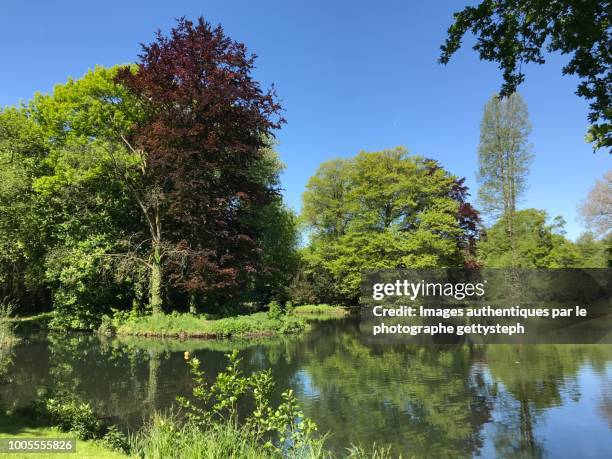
(155, 284)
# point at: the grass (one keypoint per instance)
(20, 427)
(320, 311)
(167, 439)
(189, 325)
(164, 438)
(31, 323)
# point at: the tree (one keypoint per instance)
(504, 157)
(381, 210)
(515, 32)
(157, 177)
(597, 208)
(22, 240)
(325, 201)
(206, 124)
(538, 244)
(95, 252)
(594, 253)
(183, 135)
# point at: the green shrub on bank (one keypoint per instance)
(278, 428)
(258, 324)
(70, 414)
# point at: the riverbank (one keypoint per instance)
(185, 325)
(26, 324)
(259, 324)
(321, 311)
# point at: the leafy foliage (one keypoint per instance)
(281, 428)
(539, 244)
(597, 208)
(381, 210)
(504, 154)
(516, 32)
(109, 198)
(206, 125)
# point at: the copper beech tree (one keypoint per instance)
(206, 123)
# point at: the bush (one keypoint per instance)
(275, 312)
(284, 428)
(71, 415)
(115, 440)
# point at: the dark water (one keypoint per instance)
(445, 401)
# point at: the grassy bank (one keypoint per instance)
(189, 325)
(22, 427)
(320, 311)
(31, 323)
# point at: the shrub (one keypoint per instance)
(282, 428)
(115, 440)
(71, 415)
(275, 312)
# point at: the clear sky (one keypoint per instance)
(352, 75)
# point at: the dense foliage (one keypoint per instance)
(149, 186)
(538, 244)
(380, 210)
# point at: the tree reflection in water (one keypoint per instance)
(428, 401)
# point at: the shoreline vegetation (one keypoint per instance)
(259, 324)
(274, 322)
(325, 311)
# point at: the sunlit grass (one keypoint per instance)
(321, 310)
(189, 325)
(21, 427)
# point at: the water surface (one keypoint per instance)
(434, 401)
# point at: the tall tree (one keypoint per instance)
(597, 208)
(515, 32)
(22, 240)
(504, 156)
(206, 126)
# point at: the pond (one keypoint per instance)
(434, 401)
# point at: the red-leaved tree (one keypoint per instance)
(207, 122)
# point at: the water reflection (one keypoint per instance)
(444, 401)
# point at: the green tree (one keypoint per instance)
(516, 32)
(380, 210)
(79, 218)
(539, 244)
(22, 232)
(504, 157)
(89, 195)
(594, 253)
(325, 202)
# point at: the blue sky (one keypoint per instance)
(352, 75)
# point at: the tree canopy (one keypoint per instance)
(384, 209)
(516, 32)
(150, 184)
